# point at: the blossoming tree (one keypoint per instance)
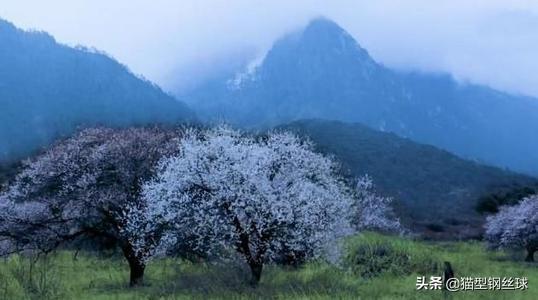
(372, 211)
(256, 195)
(515, 226)
(79, 189)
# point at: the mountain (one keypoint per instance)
(435, 191)
(322, 72)
(48, 90)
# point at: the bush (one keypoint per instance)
(369, 255)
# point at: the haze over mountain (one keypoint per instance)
(47, 90)
(425, 181)
(321, 72)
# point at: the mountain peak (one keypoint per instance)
(328, 35)
(323, 25)
(319, 45)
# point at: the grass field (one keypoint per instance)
(375, 267)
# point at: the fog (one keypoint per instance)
(178, 43)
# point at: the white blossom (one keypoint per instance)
(258, 195)
(372, 211)
(515, 226)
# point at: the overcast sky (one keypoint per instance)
(493, 42)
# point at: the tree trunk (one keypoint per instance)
(256, 270)
(255, 261)
(530, 254)
(137, 273)
(136, 266)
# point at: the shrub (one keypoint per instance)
(369, 255)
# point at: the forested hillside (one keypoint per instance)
(436, 190)
(48, 89)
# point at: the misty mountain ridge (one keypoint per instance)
(322, 72)
(48, 90)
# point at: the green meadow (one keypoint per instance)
(373, 267)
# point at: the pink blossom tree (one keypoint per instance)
(79, 189)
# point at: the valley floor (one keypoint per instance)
(388, 268)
